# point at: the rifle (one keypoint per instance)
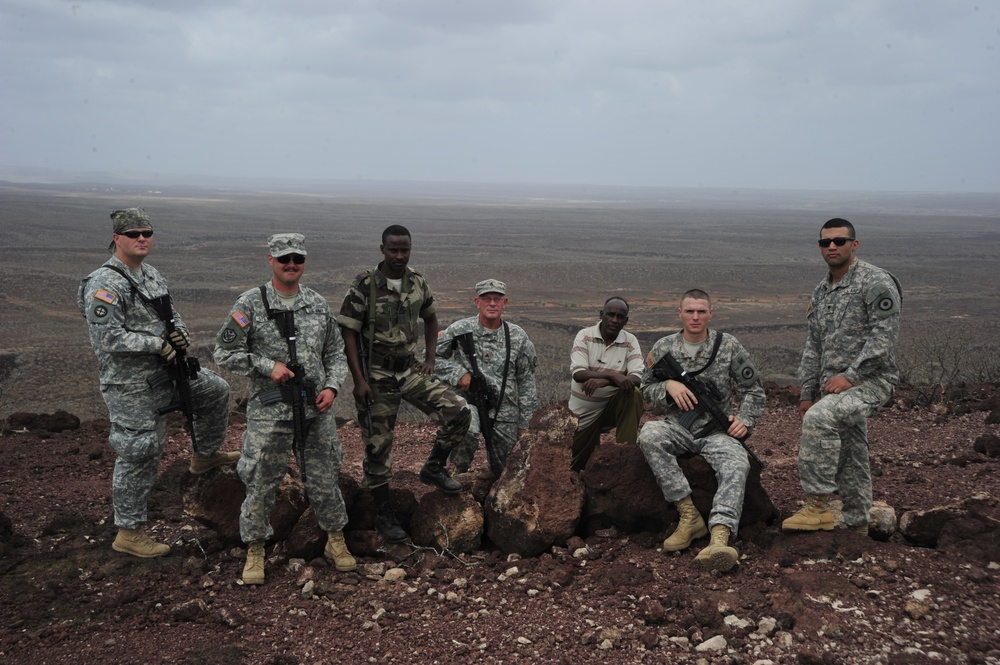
(363, 357)
(180, 372)
(296, 391)
(708, 396)
(483, 396)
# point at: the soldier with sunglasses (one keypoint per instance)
(272, 329)
(848, 371)
(124, 302)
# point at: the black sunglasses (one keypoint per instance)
(297, 259)
(135, 234)
(839, 242)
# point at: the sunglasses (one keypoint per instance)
(135, 234)
(839, 242)
(297, 259)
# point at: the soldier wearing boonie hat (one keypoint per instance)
(132, 346)
(506, 360)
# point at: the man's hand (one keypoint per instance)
(426, 368)
(180, 339)
(363, 392)
(168, 352)
(325, 399)
(465, 382)
(590, 385)
(804, 406)
(281, 373)
(837, 384)
(737, 429)
(682, 397)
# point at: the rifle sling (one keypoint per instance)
(156, 303)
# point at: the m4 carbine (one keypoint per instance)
(708, 396)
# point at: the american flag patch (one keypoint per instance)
(649, 359)
(106, 296)
(241, 318)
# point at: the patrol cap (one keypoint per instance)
(127, 219)
(286, 243)
(491, 286)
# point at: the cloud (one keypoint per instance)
(766, 94)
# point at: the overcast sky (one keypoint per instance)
(868, 94)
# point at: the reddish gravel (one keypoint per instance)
(835, 597)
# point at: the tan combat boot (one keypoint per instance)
(253, 571)
(718, 555)
(690, 525)
(814, 516)
(860, 529)
(336, 551)
(204, 463)
(137, 543)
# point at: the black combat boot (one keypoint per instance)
(386, 522)
(434, 472)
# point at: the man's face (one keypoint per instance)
(396, 254)
(695, 315)
(837, 257)
(288, 274)
(134, 249)
(491, 307)
(614, 316)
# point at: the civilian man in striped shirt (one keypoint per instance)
(606, 365)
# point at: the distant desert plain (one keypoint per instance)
(562, 251)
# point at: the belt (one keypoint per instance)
(392, 363)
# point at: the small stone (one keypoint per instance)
(394, 575)
(717, 643)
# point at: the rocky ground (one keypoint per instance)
(606, 596)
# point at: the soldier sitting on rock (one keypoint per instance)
(716, 358)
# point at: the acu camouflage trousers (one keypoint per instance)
(833, 454)
(663, 441)
(427, 393)
(266, 444)
(504, 438)
(139, 436)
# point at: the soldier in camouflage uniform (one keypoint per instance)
(132, 346)
(661, 442)
(252, 344)
(848, 371)
(380, 317)
(506, 358)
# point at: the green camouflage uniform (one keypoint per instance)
(662, 441)
(250, 344)
(127, 336)
(853, 327)
(391, 374)
(520, 398)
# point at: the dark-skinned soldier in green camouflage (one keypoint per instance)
(848, 371)
(253, 343)
(132, 345)
(381, 317)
